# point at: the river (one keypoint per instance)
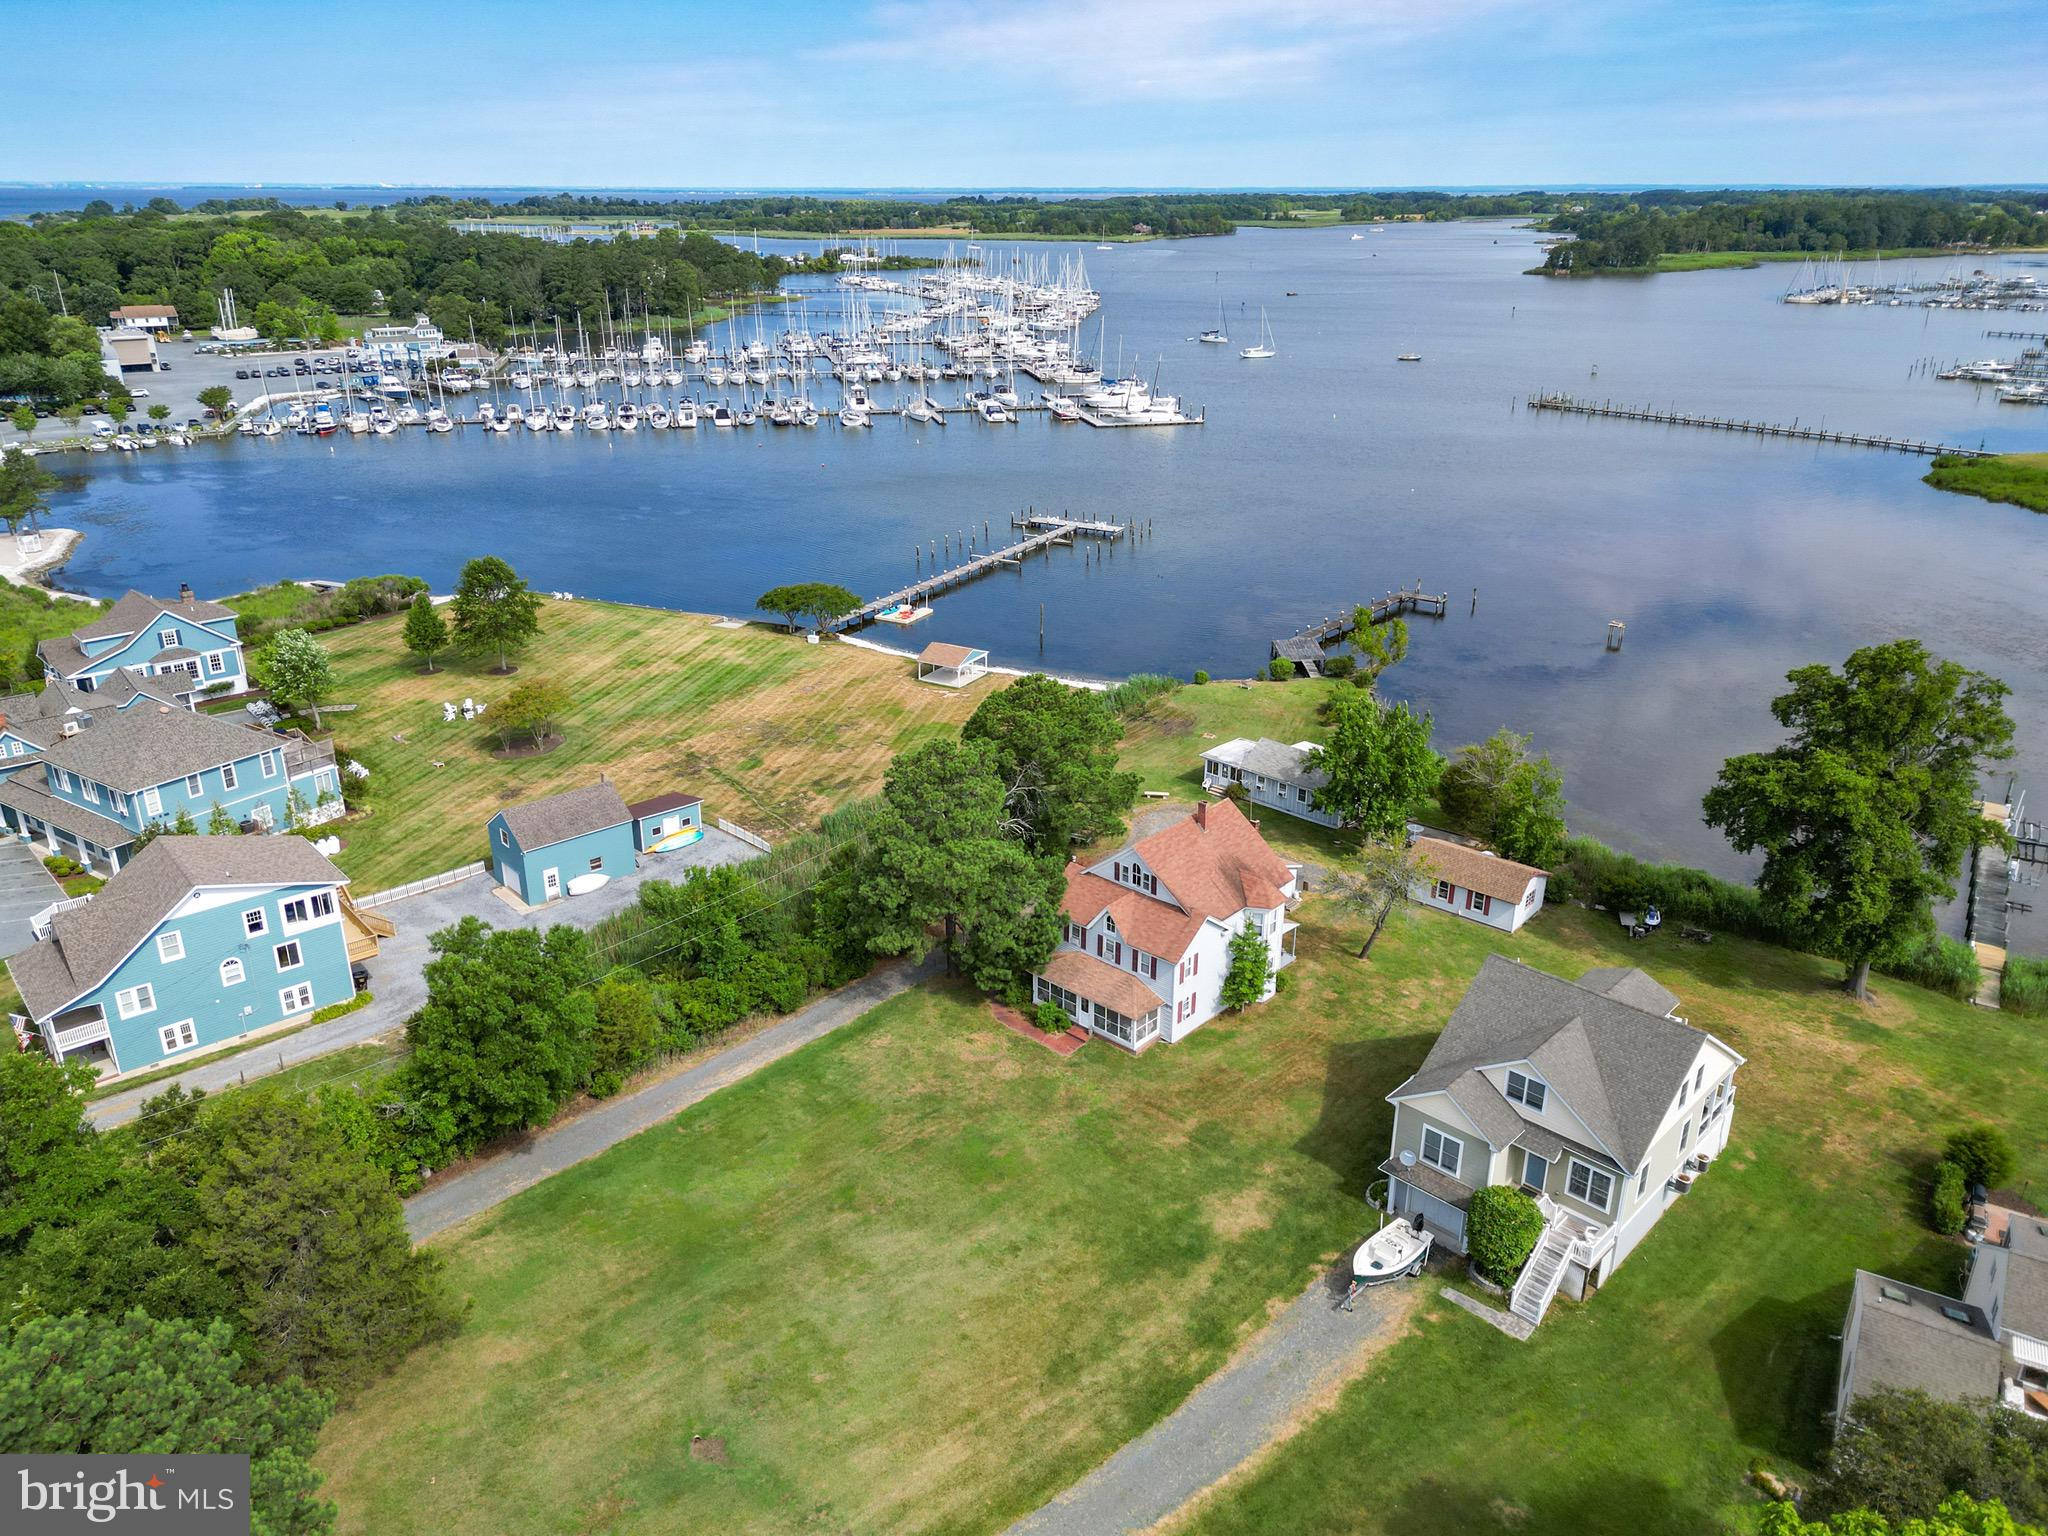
(1327, 474)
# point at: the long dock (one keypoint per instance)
(1305, 646)
(1042, 532)
(1575, 407)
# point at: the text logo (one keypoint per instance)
(142, 1495)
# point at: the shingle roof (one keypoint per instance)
(1912, 1344)
(2026, 1277)
(940, 654)
(1274, 759)
(674, 800)
(90, 941)
(572, 813)
(1100, 983)
(1485, 1108)
(1627, 984)
(153, 745)
(133, 611)
(1433, 1182)
(1617, 1067)
(1502, 879)
(63, 655)
(1155, 926)
(22, 795)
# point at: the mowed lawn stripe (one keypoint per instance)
(773, 732)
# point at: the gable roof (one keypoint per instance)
(2026, 1278)
(1618, 1067)
(1476, 870)
(558, 818)
(134, 611)
(153, 744)
(1628, 984)
(1212, 860)
(88, 942)
(1274, 759)
(940, 654)
(1913, 1344)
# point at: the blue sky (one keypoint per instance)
(1077, 93)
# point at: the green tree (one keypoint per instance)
(1501, 1231)
(220, 823)
(1475, 779)
(625, 1033)
(25, 488)
(938, 856)
(1378, 764)
(1498, 791)
(1054, 749)
(1249, 971)
(503, 1038)
(493, 610)
(184, 826)
(532, 707)
(1900, 1455)
(118, 408)
(71, 413)
(818, 601)
(98, 1385)
(1379, 646)
(159, 412)
(1983, 1153)
(1865, 813)
(1386, 877)
(217, 398)
(312, 1239)
(1957, 1515)
(24, 418)
(426, 635)
(299, 671)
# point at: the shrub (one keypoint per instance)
(1201, 677)
(1949, 1207)
(1280, 669)
(1341, 665)
(1940, 964)
(1051, 1018)
(1501, 1231)
(626, 1032)
(2024, 989)
(1625, 883)
(703, 1005)
(1983, 1153)
(770, 984)
(1136, 693)
(62, 865)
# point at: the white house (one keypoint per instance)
(1147, 939)
(1592, 1095)
(1479, 885)
(1272, 774)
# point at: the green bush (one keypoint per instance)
(1983, 1153)
(770, 984)
(362, 999)
(1136, 693)
(1949, 1206)
(62, 865)
(1341, 665)
(1940, 964)
(1051, 1018)
(1201, 677)
(626, 1034)
(1501, 1229)
(1280, 669)
(2025, 988)
(1622, 882)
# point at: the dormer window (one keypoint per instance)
(1108, 923)
(166, 639)
(1529, 1092)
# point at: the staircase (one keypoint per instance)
(1541, 1276)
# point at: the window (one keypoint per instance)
(254, 922)
(120, 801)
(504, 838)
(288, 956)
(1475, 902)
(296, 999)
(1527, 1091)
(131, 1001)
(307, 909)
(61, 778)
(227, 775)
(1699, 1077)
(1441, 1151)
(1590, 1186)
(1684, 1133)
(1301, 794)
(170, 945)
(1642, 1181)
(193, 784)
(1444, 890)
(231, 972)
(167, 639)
(90, 790)
(216, 662)
(1076, 934)
(1535, 1170)
(268, 762)
(597, 864)
(178, 1036)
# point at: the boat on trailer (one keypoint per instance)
(1399, 1248)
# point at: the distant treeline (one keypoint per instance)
(293, 272)
(1630, 233)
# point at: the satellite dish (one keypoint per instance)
(1407, 1159)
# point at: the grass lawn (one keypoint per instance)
(922, 1275)
(29, 614)
(772, 732)
(2020, 478)
(270, 605)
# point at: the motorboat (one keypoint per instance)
(1409, 357)
(657, 417)
(685, 414)
(854, 416)
(1401, 1247)
(1062, 408)
(994, 411)
(721, 415)
(514, 413)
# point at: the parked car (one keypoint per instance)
(241, 373)
(138, 394)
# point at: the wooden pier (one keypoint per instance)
(2019, 335)
(1042, 531)
(1575, 407)
(1305, 646)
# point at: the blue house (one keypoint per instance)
(191, 643)
(666, 822)
(539, 848)
(200, 940)
(99, 776)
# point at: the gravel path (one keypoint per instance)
(435, 1210)
(1302, 1353)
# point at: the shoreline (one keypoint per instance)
(34, 567)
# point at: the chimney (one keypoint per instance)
(1202, 814)
(184, 591)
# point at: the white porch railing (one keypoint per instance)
(81, 1034)
(39, 923)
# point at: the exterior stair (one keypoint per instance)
(1541, 1276)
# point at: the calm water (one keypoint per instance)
(1325, 475)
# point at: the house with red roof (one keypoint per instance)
(1148, 928)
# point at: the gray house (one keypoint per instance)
(1273, 774)
(1591, 1095)
(1991, 1346)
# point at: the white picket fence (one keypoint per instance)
(750, 838)
(420, 887)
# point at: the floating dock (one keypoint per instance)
(1575, 407)
(1305, 647)
(1042, 532)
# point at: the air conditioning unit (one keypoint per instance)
(70, 728)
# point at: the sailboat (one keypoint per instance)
(1265, 348)
(1216, 335)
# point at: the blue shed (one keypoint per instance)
(539, 848)
(667, 822)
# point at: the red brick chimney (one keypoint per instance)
(1202, 814)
